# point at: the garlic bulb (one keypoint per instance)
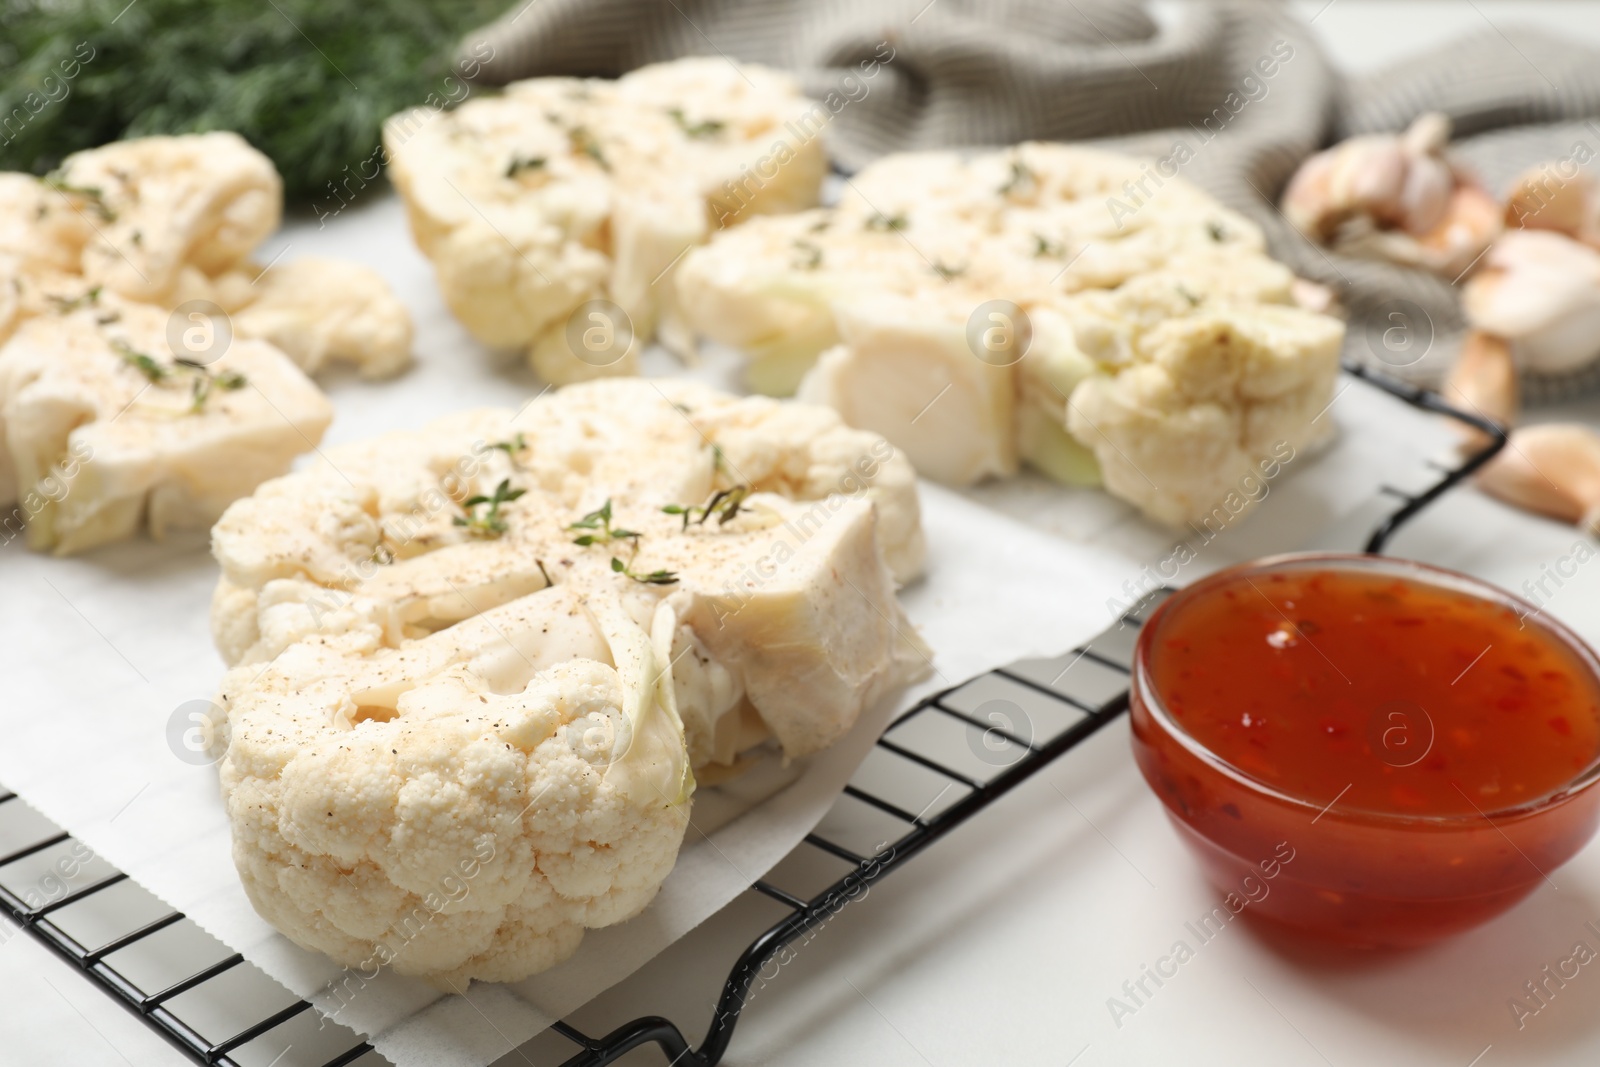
(1395, 197)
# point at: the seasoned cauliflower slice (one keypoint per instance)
(884, 306)
(161, 204)
(562, 191)
(316, 310)
(480, 666)
(103, 436)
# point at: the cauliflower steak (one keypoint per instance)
(525, 635)
(562, 191)
(106, 438)
(984, 311)
(125, 282)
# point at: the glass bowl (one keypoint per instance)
(1326, 865)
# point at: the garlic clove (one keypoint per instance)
(1370, 176)
(1425, 198)
(1483, 382)
(1552, 470)
(1470, 222)
(1541, 291)
(1540, 200)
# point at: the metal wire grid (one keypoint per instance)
(1085, 712)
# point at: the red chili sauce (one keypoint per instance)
(1335, 686)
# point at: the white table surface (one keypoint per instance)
(1002, 944)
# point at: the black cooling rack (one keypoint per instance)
(250, 1021)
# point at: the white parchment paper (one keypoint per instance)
(100, 652)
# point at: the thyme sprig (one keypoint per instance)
(1043, 246)
(483, 518)
(1020, 175)
(64, 305)
(887, 223)
(724, 504)
(812, 253)
(656, 577)
(600, 520)
(704, 128)
(518, 443)
(519, 164)
(202, 380)
(583, 141)
(92, 193)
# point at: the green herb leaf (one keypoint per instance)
(583, 141)
(519, 164)
(63, 305)
(653, 578)
(488, 522)
(1020, 175)
(600, 519)
(704, 128)
(810, 255)
(57, 181)
(1043, 246)
(725, 504)
(518, 443)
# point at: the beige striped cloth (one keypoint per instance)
(1243, 87)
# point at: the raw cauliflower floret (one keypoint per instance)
(561, 191)
(318, 310)
(1196, 401)
(448, 811)
(104, 436)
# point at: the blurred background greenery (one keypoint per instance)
(306, 81)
